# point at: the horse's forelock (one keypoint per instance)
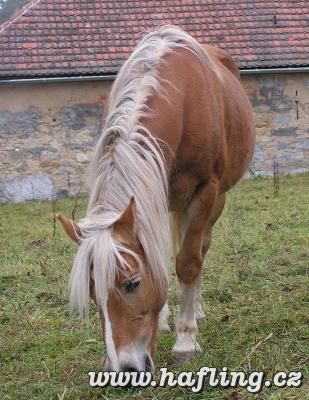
(100, 257)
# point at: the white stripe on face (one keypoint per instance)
(109, 341)
(134, 356)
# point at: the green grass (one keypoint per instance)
(255, 284)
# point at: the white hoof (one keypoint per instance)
(180, 359)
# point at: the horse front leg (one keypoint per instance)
(198, 301)
(189, 263)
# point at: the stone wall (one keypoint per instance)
(281, 106)
(48, 132)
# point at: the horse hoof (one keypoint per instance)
(183, 358)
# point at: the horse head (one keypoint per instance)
(121, 285)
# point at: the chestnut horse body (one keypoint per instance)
(178, 134)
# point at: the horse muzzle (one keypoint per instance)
(126, 363)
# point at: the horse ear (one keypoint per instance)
(71, 228)
(127, 223)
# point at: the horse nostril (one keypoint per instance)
(148, 364)
(127, 368)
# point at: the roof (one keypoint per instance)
(78, 37)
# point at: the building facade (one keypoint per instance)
(58, 61)
(48, 132)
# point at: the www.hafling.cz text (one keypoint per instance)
(196, 381)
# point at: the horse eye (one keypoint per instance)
(131, 286)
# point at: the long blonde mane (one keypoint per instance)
(128, 161)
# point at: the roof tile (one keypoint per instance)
(76, 37)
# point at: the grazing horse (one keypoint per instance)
(177, 134)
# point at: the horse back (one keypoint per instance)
(224, 58)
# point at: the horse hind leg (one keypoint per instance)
(217, 211)
(163, 319)
(189, 262)
(198, 300)
(175, 225)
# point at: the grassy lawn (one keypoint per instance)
(255, 290)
